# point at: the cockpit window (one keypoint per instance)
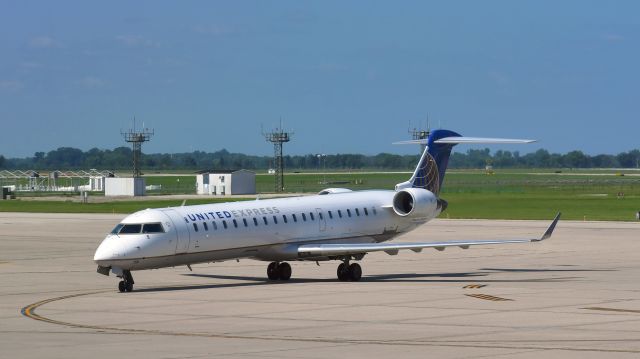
(130, 229)
(117, 228)
(152, 228)
(138, 228)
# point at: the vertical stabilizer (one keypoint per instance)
(429, 173)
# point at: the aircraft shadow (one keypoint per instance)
(199, 286)
(462, 277)
(369, 278)
(536, 270)
(454, 278)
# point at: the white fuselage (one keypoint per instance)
(268, 230)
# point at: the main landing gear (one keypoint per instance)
(349, 272)
(126, 284)
(279, 270)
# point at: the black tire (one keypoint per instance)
(355, 272)
(129, 287)
(343, 272)
(272, 271)
(121, 286)
(284, 271)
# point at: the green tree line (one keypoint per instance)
(121, 158)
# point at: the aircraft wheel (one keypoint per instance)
(121, 286)
(355, 272)
(284, 271)
(343, 272)
(272, 271)
(128, 287)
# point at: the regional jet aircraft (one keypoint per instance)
(336, 224)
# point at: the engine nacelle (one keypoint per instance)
(415, 202)
(334, 190)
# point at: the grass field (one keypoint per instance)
(521, 194)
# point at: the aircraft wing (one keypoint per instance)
(329, 250)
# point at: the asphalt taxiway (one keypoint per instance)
(575, 295)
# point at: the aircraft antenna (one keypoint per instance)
(278, 136)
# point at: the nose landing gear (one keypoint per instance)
(126, 284)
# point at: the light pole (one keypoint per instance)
(321, 157)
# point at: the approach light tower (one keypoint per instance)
(278, 137)
(137, 138)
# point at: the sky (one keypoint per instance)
(343, 76)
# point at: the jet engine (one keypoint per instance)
(415, 202)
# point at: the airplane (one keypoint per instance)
(336, 224)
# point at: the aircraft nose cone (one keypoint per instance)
(103, 253)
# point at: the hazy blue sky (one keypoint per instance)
(346, 76)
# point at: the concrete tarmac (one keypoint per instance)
(576, 295)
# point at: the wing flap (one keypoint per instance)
(329, 250)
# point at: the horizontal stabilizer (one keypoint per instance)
(481, 140)
(462, 140)
(411, 142)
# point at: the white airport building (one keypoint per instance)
(226, 182)
(124, 186)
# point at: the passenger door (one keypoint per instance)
(181, 230)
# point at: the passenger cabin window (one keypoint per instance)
(311, 215)
(152, 228)
(224, 224)
(330, 215)
(215, 226)
(255, 221)
(284, 217)
(349, 212)
(235, 223)
(304, 217)
(206, 227)
(244, 220)
(130, 229)
(375, 212)
(275, 219)
(357, 212)
(264, 219)
(295, 219)
(340, 213)
(320, 215)
(366, 213)
(195, 227)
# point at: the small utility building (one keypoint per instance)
(124, 186)
(226, 182)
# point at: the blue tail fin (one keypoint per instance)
(429, 174)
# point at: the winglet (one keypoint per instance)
(549, 231)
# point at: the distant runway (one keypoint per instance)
(576, 295)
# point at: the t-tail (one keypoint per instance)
(429, 173)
